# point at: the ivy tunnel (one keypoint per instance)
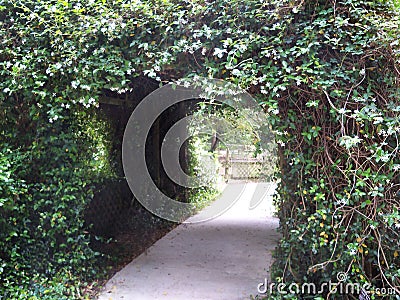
(113, 208)
(235, 150)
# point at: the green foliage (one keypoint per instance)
(54, 150)
(340, 160)
(45, 188)
(325, 71)
(203, 165)
(231, 126)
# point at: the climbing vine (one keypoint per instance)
(339, 198)
(326, 72)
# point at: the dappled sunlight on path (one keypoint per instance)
(223, 258)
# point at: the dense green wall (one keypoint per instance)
(326, 72)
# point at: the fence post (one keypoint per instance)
(227, 165)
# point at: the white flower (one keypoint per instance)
(181, 43)
(362, 72)
(342, 111)
(208, 89)
(390, 130)
(378, 120)
(242, 48)
(227, 42)
(203, 51)
(67, 106)
(313, 103)
(282, 144)
(342, 202)
(86, 87)
(385, 158)
(219, 52)
(235, 72)
(397, 225)
(349, 142)
(353, 252)
(75, 84)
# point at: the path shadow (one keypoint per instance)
(223, 258)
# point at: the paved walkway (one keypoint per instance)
(224, 258)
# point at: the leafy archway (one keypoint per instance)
(326, 72)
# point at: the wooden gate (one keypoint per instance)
(239, 162)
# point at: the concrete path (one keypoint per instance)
(224, 258)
